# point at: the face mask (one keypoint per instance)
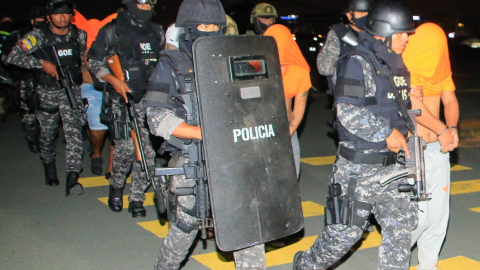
(360, 22)
(197, 33)
(260, 27)
(140, 14)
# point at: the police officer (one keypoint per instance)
(262, 16)
(138, 43)
(174, 71)
(36, 16)
(356, 12)
(371, 101)
(35, 51)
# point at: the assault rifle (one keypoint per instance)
(66, 82)
(114, 64)
(414, 166)
(194, 169)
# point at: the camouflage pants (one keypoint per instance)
(29, 120)
(177, 243)
(53, 104)
(394, 212)
(125, 159)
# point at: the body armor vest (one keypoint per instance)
(68, 52)
(185, 84)
(138, 53)
(388, 71)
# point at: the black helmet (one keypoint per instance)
(195, 12)
(60, 7)
(359, 5)
(149, 2)
(36, 12)
(389, 17)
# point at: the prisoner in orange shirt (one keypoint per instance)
(296, 81)
(426, 56)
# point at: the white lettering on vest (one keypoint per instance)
(400, 81)
(254, 133)
(146, 46)
(62, 53)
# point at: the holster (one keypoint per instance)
(343, 209)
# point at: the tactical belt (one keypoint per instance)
(359, 157)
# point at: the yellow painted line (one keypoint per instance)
(311, 209)
(475, 209)
(317, 161)
(217, 261)
(97, 181)
(463, 187)
(457, 167)
(155, 227)
(149, 200)
(456, 263)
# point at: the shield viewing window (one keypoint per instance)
(248, 68)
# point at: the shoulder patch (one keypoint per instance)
(33, 40)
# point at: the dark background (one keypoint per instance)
(448, 13)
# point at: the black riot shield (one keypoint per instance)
(254, 191)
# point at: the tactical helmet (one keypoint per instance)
(389, 17)
(36, 12)
(149, 2)
(359, 5)
(263, 10)
(195, 12)
(60, 7)
(231, 29)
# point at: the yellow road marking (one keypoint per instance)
(463, 187)
(317, 161)
(97, 181)
(149, 200)
(475, 209)
(456, 263)
(155, 227)
(457, 167)
(217, 261)
(311, 209)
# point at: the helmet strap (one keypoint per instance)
(388, 42)
(59, 27)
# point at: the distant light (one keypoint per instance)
(289, 18)
(461, 25)
(416, 18)
(321, 44)
(313, 49)
(315, 38)
(294, 38)
(320, 36)
(451, 35)
(293, 35)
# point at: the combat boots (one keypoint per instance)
(115, 199)
(33, 146)
(51, 178)
(73, 187)
(137, 209)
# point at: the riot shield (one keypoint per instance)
(254, 192)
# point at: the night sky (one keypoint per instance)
(167, 9)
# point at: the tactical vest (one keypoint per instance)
(340, 30)
(383, 104)
(68, 53)
(138, 53)
(185, 84)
